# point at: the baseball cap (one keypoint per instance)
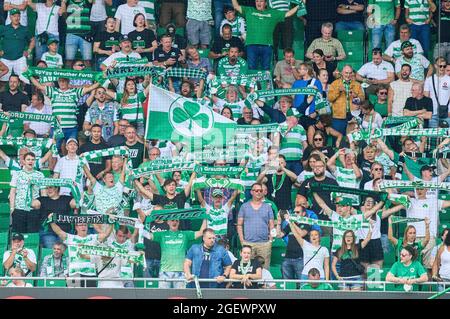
(217, 193)
(17, 236)
(72, 140)
(50, 41)
(14, 11)
(124, 38)
(427, 167)
(406, 44)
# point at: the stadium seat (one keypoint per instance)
(151, 284)
(351, 36)
(4, 223)
(389, 259)
(4, 209)
(276, 272)
(325, 241)
(31, 239)
(4, 238)
(278, 252)
(203, 53)
(444, 216)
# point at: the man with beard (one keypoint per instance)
(126, 53)
(399, 92)
(232, 65)
(223, 44)
(417, 62)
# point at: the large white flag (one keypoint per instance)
(175, 118)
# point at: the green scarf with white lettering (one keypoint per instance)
(34, 117)
(51, 75)
(94, 250)
(57, 182)
(342, 225)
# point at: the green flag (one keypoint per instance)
(175, 118)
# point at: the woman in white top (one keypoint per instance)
(441, 266)
(17, 272)
(314, 255)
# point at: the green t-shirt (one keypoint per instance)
(319, 287)
(413, 166)
(78, 17)
(399, 270)
(14, 41)
(261, 24)
(381, 108)
(417, 245)
(383, 10)
(173, 248)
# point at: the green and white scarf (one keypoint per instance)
(185, 73)
(399, 219)
(123, 71)
(229, 171)
(342, 225)
(414, 184)
(79, 219)
(232, 183)
(111, 252)
(400, 130)
(51, 75)
(319, 187)
(396, 120)
(400, 199)
(231, 152)
(176, 214)
(34, 117)
(257, 129)
(162, 168)
(27, 142)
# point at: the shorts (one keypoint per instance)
(372, 252)
(198, 32)
(18, 66)
(75, 42)
(350, 285)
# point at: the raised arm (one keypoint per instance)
(89, 175)
(298, 233)
(236, 6)
(385, 149)
(426, 240)
(199, 233)
(58, 231)
(141, 189)
(187, 189)
(291, 12)
(104, 235)
(327, 210)
(391, 237)
(388, 212)
(37, 84)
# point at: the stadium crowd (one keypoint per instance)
(341, 168)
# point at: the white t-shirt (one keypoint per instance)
(43, 13)
(98, 11)
(112, 270)
(394, 48)
(27, 285)
(442, 89)
(318, 261)
(377, 72)
(23, 14)
(19, 261)
(421, 208)
(266, 275)
(39, 127)
(126, 16)
(67, 168)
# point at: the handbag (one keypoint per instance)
(442, 109)
(43, 37)
(359, 268)
(317, 251)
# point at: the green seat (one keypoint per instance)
(351, 36)
(4, 209)
(4, 238)
(31, 239)
(278, 252)
(389, 258)
(276, 272)
(356, 65)
(203, 52)
(151, 284)
(4, 223)
(444, 216)
(51, 283)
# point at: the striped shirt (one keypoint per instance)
(64, 104)
(77, 265)
(292, 143)
(346, 177)
(419, 10)
(53, 60)
(280, 5)
(218, 219)
(149, 7)
(132, 110)
(126, 271)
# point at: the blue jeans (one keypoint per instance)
(218, 13)
(152, 270)
(75, 42)
(349, 25)
(385, 244)
(377, 35)
(434, 121)
(71, 132)
(292, 268)
(42, 48)
(422, 34)
(259, 54)
(47, 239)
(294, 166)
(339, 125)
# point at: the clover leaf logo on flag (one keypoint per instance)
(190, 119)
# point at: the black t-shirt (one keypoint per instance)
(327, 151)
(348, 263)
(57, 206)
(116, 140)
(365, 166)
(283, 196)
(107, 40)
(254, 265)
(445, 25)
(293, 249)
(414, 104)
(152, 248)
(179, 200)
(303, 190)
(13, 102)
(330, 67)
(96, 165)
(142, 39)
(177, 41)
(353, 17)
(160, 55)
(136, 153)
(222, 45)
(241, 121)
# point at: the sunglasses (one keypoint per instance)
(318, 139)
(442, 66)
(378, 169)
(297, 211)
(382, 93)
(82, 65)
(404, 255)
(257, 190)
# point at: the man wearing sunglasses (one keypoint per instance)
(437, 88)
